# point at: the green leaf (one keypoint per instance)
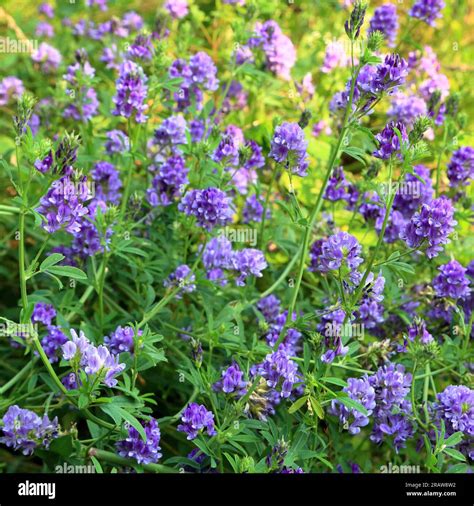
(51, 260)
(351, 403)
(317, 408)
(67, 270)
(117, 413)
(83, 401)
(62, 446)
(335, 381)
(454, 439)
(455, 454)
(297, 404)
(97, 465)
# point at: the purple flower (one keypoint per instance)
(385, 20)
(455, 407)
(183, 278)
(388, 140)
(337, 186)
(217, 257)
(211, 207)
(131, 92)
(11, 89)
(419, 190)
(177, 8)
(332, 328)
(418, 332)
(100, 4)
(279, 50)
(232, 381)
(289, 147)
(461, 167)
(279, 371)
(107, 182)
(340, 250)
(24, 430)
(93, 360)
(143, 451)
(62, 206)
(452, 281)
(195, 419)
(117, 142)
(253, 210)
(270, 308)
(121, 340)
(43, 313)
(334, 57)
(203, 71)
(352, 419)
(391, 386)
(53, 342)
(248, 261)
(197, 130)
(141, 48)
(433, 224)
(169, 182)
(46, 9)
(171, 132)
(44, 29)
(47, 56)
(396, 425)
(406, 108)
(427, 10)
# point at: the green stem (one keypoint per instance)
(319, 200)
(438, 165)
(113, 458)
(388, 209)
(17, 376)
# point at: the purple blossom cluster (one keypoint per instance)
(427, 10)
(279, 371)
(232, 381)
(452, 281)
(289, 148)
(431, 226)
(280, 54)
(95, 361)
(117, 142)
(182, 278)
(121, 340)
(385, 20)
(63, 206)
(198, 75)
(131, 92)
(211, 207)
(219, 258)
(339, 252)
(461, 167)
(361, 391)
(24, 430)
(455, 406)
(389, 141)
(169, 182)
(195, 419)
(146, 451)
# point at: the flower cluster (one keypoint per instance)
(196, 418)
(131, 92)
(24, 430)
(122, 340)
(97, 362)
(289, 148)
(146, 451)
(211, 207)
